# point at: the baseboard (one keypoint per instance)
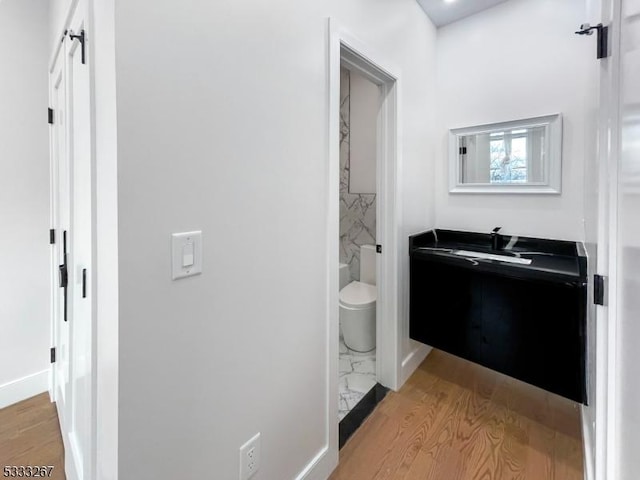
(316, 469)
(323, 464)
(587, 443)
(412, 361)
(23, 388)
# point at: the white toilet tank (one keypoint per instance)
(345, 275)
(368, 264)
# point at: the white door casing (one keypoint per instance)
(606, 315)
(347, 50)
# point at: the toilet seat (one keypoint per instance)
(358, 295)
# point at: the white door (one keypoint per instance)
(72, 207)
(80, 271)
(60, 197)
(628, 243)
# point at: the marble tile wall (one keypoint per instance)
(357, 211)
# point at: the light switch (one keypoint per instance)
(186, 254)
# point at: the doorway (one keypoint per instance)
(359, 391)
(349, 53)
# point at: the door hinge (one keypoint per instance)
(52, 236)
(50, 116)
(53, 354)
(603, 42)
(463, 150)
(603, 38)
(598, 289)
(378, 248)
(81, 37)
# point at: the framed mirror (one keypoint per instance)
(522, 156)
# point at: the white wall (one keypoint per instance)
(519, 59)
(24, 200)
(222, 126)
(364, 105)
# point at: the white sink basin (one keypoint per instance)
(491, 256)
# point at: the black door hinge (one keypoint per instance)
(50, 116)
(53, 354)
(603, 38)
(463, 150)
(598, 289)
(81, 37)
(52, 236)
(378, 248)
(603, 42)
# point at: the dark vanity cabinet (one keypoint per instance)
(526, 320)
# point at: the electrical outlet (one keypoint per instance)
(250, 458)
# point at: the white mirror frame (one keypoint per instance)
(552, 166)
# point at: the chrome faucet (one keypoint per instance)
(496, 239)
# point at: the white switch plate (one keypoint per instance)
(186, 244)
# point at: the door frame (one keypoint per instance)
(345, 48)
(606, 316)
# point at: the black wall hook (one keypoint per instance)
(81, 38)
(603, 37)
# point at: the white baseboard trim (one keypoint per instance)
(314, 469)
(23, 388)
(412, 361)
(587, 444)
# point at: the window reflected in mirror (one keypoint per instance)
(512, 157)
(515, 156)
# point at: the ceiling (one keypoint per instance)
(442, 12)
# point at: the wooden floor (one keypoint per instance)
(30, 436)
(454, 420)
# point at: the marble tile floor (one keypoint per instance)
(357, 377)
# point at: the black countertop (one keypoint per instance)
(551, 260)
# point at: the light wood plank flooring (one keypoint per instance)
(30, 435)
(454, 420)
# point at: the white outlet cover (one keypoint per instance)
(186, 254)
(250, 457)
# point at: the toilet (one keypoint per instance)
(358, 303)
